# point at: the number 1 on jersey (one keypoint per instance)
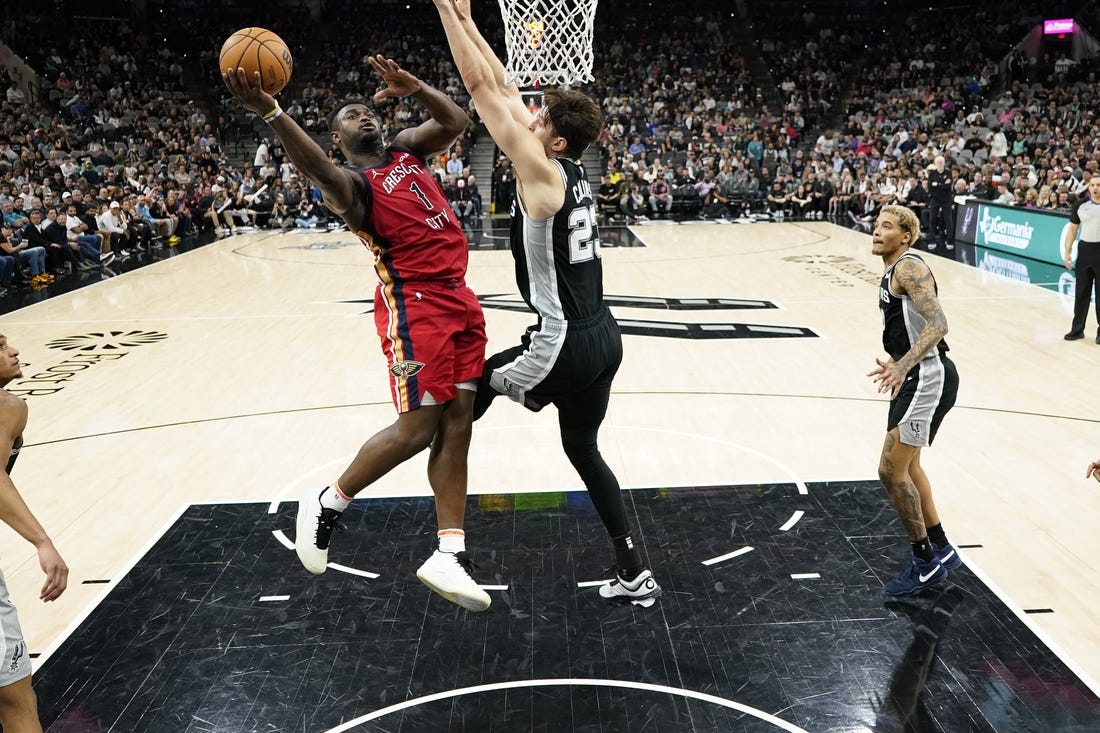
(420, 195)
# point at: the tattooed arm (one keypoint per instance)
(913, 278)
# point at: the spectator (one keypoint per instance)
(30, 260)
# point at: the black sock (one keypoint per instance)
(923, 550)
(935, 533)
(627, 557)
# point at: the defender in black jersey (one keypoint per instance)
(18, 709)
(570, 356)
(922, 383)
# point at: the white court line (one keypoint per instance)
(493, 587)
(121, 573)
(628, 684)
(696, 436)
(728, 556)
(592, 583)
(792, 521)
(1035, 628)
(352, 571)
(285, 542)
(805, 576)
(264, 599)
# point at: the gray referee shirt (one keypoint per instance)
(1086, 214)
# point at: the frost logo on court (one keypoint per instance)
(92, 349)
(107, 341)
(406, 369)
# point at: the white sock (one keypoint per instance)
(332, 498)
(451, 540)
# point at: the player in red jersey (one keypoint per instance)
(430, 324)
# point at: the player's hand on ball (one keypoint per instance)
(248, 91)
(1094, 470)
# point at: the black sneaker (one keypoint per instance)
(1075, 336)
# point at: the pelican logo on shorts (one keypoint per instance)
(406, 369)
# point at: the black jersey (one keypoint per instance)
(901, 321)
(558, 267)
(13, 454)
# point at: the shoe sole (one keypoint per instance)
(299, 532)
(645, 601)
(919, 589)
(470, 603)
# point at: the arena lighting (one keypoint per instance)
(1054, 27)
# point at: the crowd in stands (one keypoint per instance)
(123, 148)
(1010, 128)
(121, 151)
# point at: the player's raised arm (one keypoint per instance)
(541, 186)
(447, 121)
(510, 91)
(336, 183)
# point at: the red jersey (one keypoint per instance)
(410, 227)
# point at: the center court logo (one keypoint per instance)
(93, 348)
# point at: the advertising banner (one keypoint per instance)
(1033, 233)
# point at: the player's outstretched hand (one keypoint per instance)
(1094, 470)
(462, 8)
(57, 572)
(887, 377)
(248, 92)
(399, 83)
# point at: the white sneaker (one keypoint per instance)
(313, 529)
(642, 587)
(448, 574)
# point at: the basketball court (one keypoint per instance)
(176, 410)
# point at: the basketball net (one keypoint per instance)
(549, 42)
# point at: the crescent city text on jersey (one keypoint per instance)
(398, 173)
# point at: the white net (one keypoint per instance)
(549, 41)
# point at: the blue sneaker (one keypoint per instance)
(947, 556)
(917, 578)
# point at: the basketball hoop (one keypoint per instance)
(549, 41)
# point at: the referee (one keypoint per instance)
(1086, 217)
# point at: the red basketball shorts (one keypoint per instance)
(433, 336)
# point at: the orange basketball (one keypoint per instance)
(258, 49)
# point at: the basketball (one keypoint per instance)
(258, 49)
